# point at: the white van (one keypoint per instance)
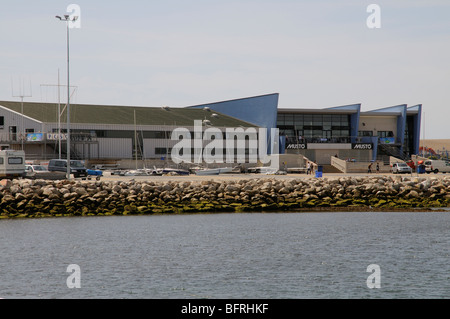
(437, 166)
(12, 164)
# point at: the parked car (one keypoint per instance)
(77, 168)
(41, 172)
(398, 168)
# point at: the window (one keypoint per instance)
(307, 119)
(100, 133)
(15, 160)
(280, 119)
(161, 151)
(155, 134)
(298, 118)
(289, 119)
(60, 164)
(383, 134)
(317, 119)
(365, 133)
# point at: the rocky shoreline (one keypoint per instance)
(43, 198)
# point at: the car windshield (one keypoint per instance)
(76, 164)
(39, 168)
(402, 165)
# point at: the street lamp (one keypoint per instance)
(67, 20)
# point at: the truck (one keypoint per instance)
(437, 166)
(12, 164)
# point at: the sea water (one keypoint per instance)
(255, 255)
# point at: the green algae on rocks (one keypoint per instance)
(40, 198)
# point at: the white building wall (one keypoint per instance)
(116, 147)
(15, 119)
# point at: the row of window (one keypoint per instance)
(301, 120)
(127, 134)
(168, 151)
(381, 134)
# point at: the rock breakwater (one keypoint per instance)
(41, 198)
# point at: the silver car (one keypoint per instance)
(41, 172)
(398, 168)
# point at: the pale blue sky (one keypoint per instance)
(316, 54)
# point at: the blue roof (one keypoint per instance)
(260, 110)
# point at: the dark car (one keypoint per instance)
(60, 165)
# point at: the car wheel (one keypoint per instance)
(436, 171)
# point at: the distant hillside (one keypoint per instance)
(436, 145)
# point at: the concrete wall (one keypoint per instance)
(357, 167)
(323, 155)
(292, 161)
(378, 123)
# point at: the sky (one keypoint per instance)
(315, 54)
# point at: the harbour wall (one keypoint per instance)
(43, 198)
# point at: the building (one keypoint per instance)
(101, 132)
(345, 131)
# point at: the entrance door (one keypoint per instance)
(13, 133)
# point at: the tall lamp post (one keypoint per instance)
(67, 20)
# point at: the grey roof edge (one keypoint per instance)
(232, 100)
(393, 110)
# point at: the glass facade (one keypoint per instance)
(314, 128)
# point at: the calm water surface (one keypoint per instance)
(260, 255)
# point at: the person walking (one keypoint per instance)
(308, 168)
(369, 169)
(378, 167)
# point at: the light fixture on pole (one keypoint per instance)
(67, 19)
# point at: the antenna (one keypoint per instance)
(59, 111)
(22, 95)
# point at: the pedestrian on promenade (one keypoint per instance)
(378, 167)
(369, 169)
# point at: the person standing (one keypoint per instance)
(308, 168)
(378, 167)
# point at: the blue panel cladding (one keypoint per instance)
(417, 123)
(375, 147)
(282, 148)
(401, 124)
(259, 110)
(374, 141)
(354, 124)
